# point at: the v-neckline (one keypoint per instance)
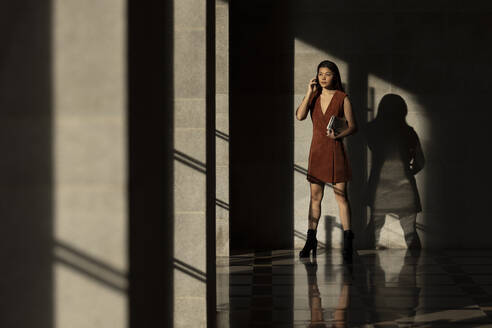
(321, 107)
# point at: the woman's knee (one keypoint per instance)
(341, 197)
(316, 197)
(342, 200)
(316, 193)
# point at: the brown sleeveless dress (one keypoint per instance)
(328, 160)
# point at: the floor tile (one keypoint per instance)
(380, 288)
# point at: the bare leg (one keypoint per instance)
(314, 215)
(340, 190)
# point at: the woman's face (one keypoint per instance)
(325, 77)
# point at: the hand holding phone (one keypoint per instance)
(313, 85)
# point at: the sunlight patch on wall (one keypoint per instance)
(89, 122)
(189, 46)
(417, 117)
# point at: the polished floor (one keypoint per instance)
(380, 288)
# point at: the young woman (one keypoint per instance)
(328, 160)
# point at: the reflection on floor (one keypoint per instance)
(381, 288)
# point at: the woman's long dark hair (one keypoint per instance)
(334, 68)
(337, 80)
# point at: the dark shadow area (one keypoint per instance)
(26, 179)
(261, 289)
(330, 225)
(396, 156)
(211, 180)
(151, 162)
(261, 75)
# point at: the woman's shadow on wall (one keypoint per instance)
(391, 188)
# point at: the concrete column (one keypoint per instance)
(190, 256)
(89, 164)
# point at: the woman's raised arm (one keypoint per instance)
(302, 110)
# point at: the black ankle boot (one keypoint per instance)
(311, 244)
(348, 236)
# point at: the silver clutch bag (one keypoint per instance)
(337, 124)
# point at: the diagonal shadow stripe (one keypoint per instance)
(221, 135)
(189, 161)
(190, 270)
(300, 169)
(90, 267)
(86, 257)
(222, 204)
(115, 286)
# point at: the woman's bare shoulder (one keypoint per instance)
(346, 99)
